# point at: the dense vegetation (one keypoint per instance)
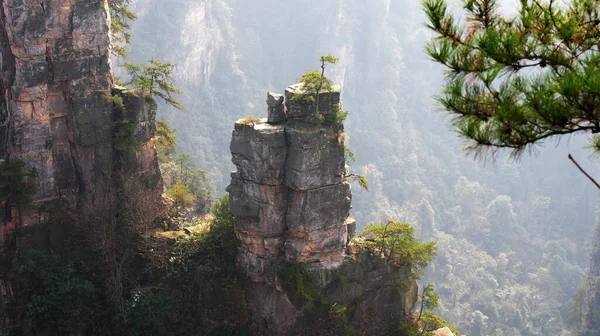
(170, 286)
(511, 236)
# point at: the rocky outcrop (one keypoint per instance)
(56, 118)
(291, 199)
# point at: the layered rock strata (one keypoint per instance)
(291, 199)
(56, 118)
(289, 193)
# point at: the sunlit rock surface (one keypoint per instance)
(291, 200)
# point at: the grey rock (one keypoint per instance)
(274, 99)
(320, 208)
(275, 108)
(259, 152)
(296, 109)
(258, 210)
(290, 200)
(351, 225)
(315, 157)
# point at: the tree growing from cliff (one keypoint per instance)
(120, 26)
(429, 299)
(154, 79)
(14, 184)
(315, 82)
(165, 140)
(396, 242)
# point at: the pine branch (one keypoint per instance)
(584, 172)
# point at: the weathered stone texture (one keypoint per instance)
(259, 152)
(297, 109)
(289, 190)
(275, 111)
(291, 199)
(315, 157)
(55, 110)
(54, 115)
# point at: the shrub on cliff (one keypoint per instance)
(14, 186)
(154, 79)
(396, 242)
(55, 295)
(198, 286)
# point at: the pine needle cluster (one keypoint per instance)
(514, 81)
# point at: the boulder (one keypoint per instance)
(275, 108)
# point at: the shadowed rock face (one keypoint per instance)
(291, 199)
(55, 117)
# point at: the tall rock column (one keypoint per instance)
(289, 194)
(56, 118)
(290, 198)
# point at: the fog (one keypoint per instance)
(511, 234)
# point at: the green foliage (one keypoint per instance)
(429, 297)
(14, 186)
(193, 178)
(198, 284)
(431, 322)
(496, 99)
(55, 294)
(329, 59)
(409, 327)
(298, 285)
(397, 243)
(349, 154)
(184, 181)
(315, 118)
(166, 140)
(120, 26)
(337, 116)
(313, 83)
(180, 193)
(361, 180)
(338, 320)
(123, 129)
(154, 79)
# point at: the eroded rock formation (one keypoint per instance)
(291, 199)
(56, 118)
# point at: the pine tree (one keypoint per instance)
(515, 81)
(120, 25)
(154, 79)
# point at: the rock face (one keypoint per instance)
(55, 117)
(296, 109)
(291, 199)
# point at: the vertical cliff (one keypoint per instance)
(55, 118)
(291, 198)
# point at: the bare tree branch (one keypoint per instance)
(583, 171)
